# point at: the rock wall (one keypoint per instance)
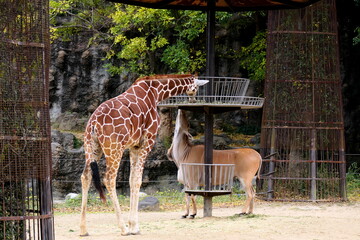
(68, 164)
(79, 81)
(78, 84)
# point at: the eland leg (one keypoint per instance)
(187, 200)
(251, 207)
(193, 200)
(250, 194)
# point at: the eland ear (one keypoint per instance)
(200, 82)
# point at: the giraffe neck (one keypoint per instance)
(162, 89)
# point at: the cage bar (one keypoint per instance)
(302, 125)
(25, 155)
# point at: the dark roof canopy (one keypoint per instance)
(221, 5)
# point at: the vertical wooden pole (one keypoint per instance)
(209, 118)
(270, 191)
(313, 165)
(208, 159)
(342, 166)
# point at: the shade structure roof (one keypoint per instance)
(220, 5)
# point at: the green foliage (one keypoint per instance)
(145, 36)
(169, 200)
(77, 142)
(145, 41)
(167, 140)
(177, 56)
(246, 129)
(253, 57)
(353, 182)
(79, 16)
(356, 39)
(12, 204)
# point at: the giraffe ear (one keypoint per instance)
(200, 82)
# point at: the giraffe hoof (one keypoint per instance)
(125, 233)
(184, 216)
(192, 216)
(242, 214)
(84, 234)
(136, 233)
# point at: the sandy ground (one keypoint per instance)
(280, 221)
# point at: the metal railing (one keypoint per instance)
(202, 179)
(226, 92)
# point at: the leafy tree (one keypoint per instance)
(149, 37)
(146, 41)
(253, 57)
(71, 17)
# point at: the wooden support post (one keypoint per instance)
(342, 169)
(209, 118)
(313, 159)
(270, 194)
(46, 223)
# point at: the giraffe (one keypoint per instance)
(128, 121)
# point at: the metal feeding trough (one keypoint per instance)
(208, 180)
(226, 92)
(220, 94)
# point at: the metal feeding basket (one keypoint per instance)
(219, 92)
(208, 179)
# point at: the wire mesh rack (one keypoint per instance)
(226, 92)
(25, 155)
(208, 179)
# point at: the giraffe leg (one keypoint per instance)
(93, 152)
(135, 183)
(85, 183)
(137, 158)
(110, 183)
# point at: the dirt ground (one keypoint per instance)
(272, 220)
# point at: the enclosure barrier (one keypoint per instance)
(208, 179)
(25, 153)
(302, 125)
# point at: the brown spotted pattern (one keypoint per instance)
(128, 121)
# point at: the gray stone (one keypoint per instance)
(71, 196)
(149, 204)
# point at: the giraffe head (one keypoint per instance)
(192, 90)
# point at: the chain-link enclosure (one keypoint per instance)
(25, 155)
(302, 127)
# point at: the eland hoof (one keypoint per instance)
(192, 216)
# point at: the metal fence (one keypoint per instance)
(302, 126)
(25, 156)
(73, 183)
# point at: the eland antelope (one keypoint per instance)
(247, 162)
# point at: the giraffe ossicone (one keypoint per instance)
(128, 121)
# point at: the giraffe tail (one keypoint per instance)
(96, 179)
